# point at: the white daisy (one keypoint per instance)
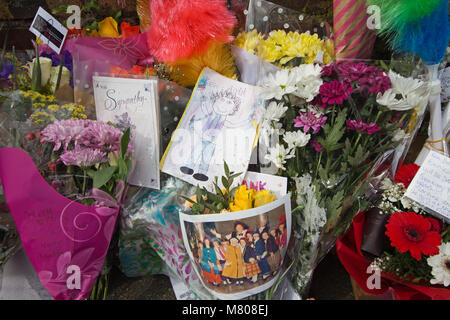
(308, 81)
(441, 265)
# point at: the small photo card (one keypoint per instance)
(239, 254)
(430, 187)
(133, 103)
(49, 30)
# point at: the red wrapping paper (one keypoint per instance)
(348, 248)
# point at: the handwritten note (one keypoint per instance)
(133, 103)
(430, 187)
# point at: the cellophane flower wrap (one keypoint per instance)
(414, 254)
(74, 170)
(328, 128)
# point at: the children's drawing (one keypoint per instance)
(220, 123)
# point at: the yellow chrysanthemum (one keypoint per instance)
(218, 58)
(53, 107)
(249, 41)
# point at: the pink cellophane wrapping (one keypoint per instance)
(58, 234)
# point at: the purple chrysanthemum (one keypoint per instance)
(310, 120)
(328, 70)
(335, 92)
(375, 82)
(102, 136)
(83, 157)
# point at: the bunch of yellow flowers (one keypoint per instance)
(280, 47)
(245, 199)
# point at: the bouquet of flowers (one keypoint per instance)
(326, 127)
(396, 237)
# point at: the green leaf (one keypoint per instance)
(227, 170)
(124, 143)
(225, 183)
(360, 157)
(102, 176)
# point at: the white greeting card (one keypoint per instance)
(49, 30)
(430, 187)
(263, 181)
(133, 103)
(220, 124)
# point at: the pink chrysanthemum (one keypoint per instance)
(375, 82)
(83, 157)
(359, 125)
(310, 120)
(181, 28)
(351, 71)
(63, 132)
(335, 92)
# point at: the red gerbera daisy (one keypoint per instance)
(405, 174)
(411, 232)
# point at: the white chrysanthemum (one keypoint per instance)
(278, 84)
(275, 111)
(441, 265)
(296, 139)
(405, 94)
(308, 81)
(279, 154)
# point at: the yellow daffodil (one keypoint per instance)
(263, 197)
(108, 28)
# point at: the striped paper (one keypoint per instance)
(353, 40)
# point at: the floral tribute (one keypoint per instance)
(325, 128)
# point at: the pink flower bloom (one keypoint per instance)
(63, 132)
(310, 121)
(316, 145)
(372, 128)
(359, 125)
(328, 70)
(375, 82)
(335, 92)
(103, 136)
(351, 71)
(83, 157)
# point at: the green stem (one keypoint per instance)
(84, 181)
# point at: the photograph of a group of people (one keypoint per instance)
(238, 255)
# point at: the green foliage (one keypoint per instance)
(405, 267)
(220, 199)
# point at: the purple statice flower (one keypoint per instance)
(335, 92)
(83, 157)
(316, 145)
(310, 120)
(375, 82)
(63, 132)
(359, 125)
